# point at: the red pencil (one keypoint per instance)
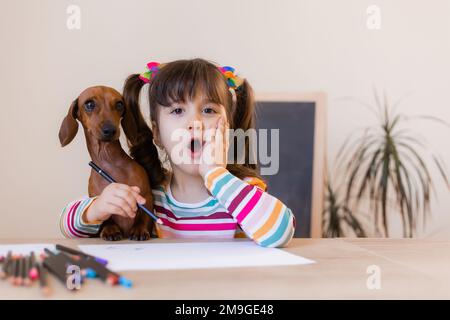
(33, 273)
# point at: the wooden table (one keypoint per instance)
(409, 269)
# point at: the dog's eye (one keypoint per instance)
(120, 106)
(89, 105)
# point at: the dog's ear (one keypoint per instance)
(69, 126)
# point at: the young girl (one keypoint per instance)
(202, 199)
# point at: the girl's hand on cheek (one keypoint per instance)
(215, 149)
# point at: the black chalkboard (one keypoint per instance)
(293, 184)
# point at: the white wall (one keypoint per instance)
(285, 46)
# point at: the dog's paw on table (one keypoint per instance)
(139, 233)
(111, 233)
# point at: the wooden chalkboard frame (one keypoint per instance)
(319, 154)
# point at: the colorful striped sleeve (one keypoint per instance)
(264, 218)
(71, 220)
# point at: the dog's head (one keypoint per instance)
(100, 110)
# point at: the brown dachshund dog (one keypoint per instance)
(101, 110)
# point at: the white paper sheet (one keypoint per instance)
(25, 248)
(192, 255)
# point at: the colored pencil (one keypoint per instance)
(80, 253)
(14, 270)
(34, 272)
(6, 264)
(43, 280)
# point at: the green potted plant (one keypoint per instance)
(388, 166)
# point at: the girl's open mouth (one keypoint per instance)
(195, 147)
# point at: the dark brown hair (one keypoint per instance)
(179, 81)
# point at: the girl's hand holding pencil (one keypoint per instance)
(116, 198)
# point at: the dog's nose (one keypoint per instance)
(108, 131)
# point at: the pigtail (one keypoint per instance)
(139, 135)
(243, 118)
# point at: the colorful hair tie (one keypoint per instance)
(233, 80)
(150, 72)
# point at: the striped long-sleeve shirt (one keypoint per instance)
(236, 208)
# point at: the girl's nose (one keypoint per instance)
(195, 125)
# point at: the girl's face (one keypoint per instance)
(182, 129)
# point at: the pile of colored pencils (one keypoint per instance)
(23, 270)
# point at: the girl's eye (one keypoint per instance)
(89, 105)
(177, 111)
(209, 110)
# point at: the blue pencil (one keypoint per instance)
(111, 180)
